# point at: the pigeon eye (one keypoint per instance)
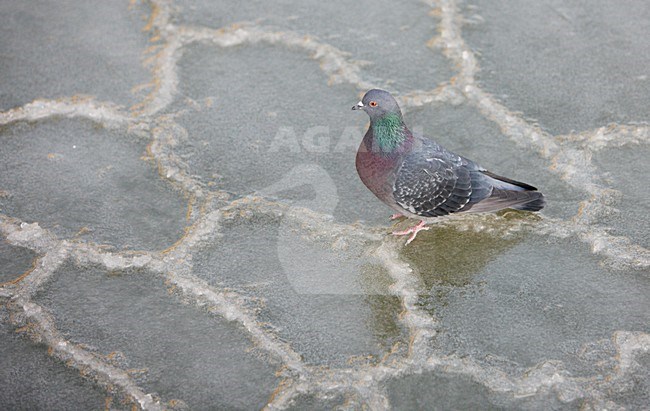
(373, 104)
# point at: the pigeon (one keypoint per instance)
(420, 179)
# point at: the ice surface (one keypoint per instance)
(318, 299)
(80, 179)
(538, 57)
(377, 35)
(637, 393)
(174, 350)
(627, 168)
(33, 380)
(195, 236)
(14, 261)
(454, 392)
(56, 49)
(541, 310)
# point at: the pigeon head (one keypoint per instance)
(377, 103)
(387, 129)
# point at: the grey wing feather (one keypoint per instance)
(435, 182)
(432, 183)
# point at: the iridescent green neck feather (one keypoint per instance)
(389, 132)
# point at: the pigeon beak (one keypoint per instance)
(359, 106)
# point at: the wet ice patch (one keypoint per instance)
(32, 379)
(322, 301)
(14, 261)
(552, 73)
(77, 47)
(78, 179)
(376, 33)
(524, 309)
(130, 320)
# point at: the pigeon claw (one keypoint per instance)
(413, 231)
(396, 216)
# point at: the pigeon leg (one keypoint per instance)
(413, 231)
(396, 216)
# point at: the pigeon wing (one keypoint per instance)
(432, 184)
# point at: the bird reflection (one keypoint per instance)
(451, 255)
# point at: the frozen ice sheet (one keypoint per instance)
(178, 352)
(377, 32)
(77, 178)
(324, 301)
(31, 379)
(268, 299)
(627, 168)
(540, 299)
(14, 261)
(64, 48)
(539, 57)
(440, 391)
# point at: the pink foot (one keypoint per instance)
(396, 216)
(413, 231)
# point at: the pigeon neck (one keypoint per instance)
(389, 132)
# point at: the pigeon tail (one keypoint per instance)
(500, 199)
(533, 205)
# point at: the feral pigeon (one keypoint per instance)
(420, 179)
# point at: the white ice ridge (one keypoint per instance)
(611, 136)
(108, 114)
(363, 385)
